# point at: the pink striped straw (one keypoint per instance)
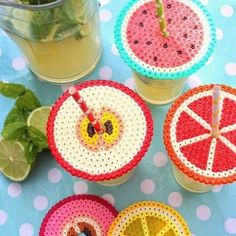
(75, 94)
(216, 111)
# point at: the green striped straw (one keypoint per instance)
(161, 17)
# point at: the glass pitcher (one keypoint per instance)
(60, 39)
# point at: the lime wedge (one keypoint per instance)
(12, 160)
(39, 118)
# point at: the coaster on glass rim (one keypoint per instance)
(161, 64)
(190, 144)
(85, 214)
(103, 157)
(149, 218)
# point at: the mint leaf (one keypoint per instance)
(64, 29)
(41, 24)
(66, 20)
(30, 151)
(11, 90)
(28, 101)
(14, 131)
(16, 114)
(38, 139)
(65, 14)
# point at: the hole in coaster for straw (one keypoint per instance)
(72, 90)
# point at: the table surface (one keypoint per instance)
(23, 205)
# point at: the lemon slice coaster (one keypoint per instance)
(149, 218)
(12, 160)
(39, 118)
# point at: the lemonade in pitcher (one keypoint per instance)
(60, 40)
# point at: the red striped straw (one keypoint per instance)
(75, 94)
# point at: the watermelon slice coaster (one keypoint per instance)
(142, 46)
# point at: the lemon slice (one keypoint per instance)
(12, 160)
(149, 218)
(39, 118)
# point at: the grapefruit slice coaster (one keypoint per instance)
(188, 140)
(149, 219)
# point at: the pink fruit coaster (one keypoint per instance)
(141, 44)
(188, 139)
(83, 152)
(79, 214)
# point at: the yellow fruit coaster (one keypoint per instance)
(149, 218)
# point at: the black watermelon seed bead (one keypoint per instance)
(165, 45)
(141, 24)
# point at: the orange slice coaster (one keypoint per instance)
(188, 139)
(149, 218)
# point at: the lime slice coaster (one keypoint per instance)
(149, 218)
(39, 118)
(12, 160)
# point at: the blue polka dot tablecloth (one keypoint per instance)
(23, 205)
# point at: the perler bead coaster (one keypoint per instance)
(128, 130)
(151, 219)
(188, 139)
(85, 215)
(142, 46)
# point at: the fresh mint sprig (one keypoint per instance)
(15, 126)
(55, 23)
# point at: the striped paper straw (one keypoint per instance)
(161, 17)
(216, 111)
(75, 94)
